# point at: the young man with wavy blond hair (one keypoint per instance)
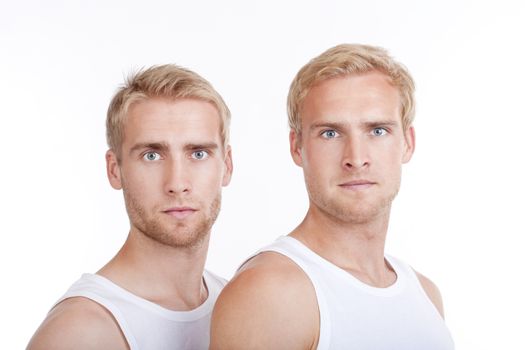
(328, 284)
(167, 131)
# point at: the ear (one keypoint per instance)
(227, 176)
(295, 148)
(113, 170)
(410, 144)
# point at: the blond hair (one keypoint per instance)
(168, 81)
(347, 59)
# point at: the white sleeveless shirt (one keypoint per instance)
(146, 325)
(354, 315)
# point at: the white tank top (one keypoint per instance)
(354, 315)
(146, 325)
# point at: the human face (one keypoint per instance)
(352, 146)
(172, 168)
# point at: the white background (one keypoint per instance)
(458, 218)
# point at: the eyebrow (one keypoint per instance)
(375, 124)
(163, 146)
(333, 125)
(367, 124)
(195, 146)
(157, 146)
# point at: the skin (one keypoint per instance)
(172, 169)
(352, 147)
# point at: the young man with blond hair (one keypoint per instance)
(328, 284)
(167, 131)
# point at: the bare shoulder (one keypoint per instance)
(269, 304)
(432, 291)
(78, 323)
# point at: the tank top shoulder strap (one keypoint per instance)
(93, 287)
(301, 256)
(214, 284)
(413, 280)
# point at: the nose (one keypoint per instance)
(176, 177)
(355, 153)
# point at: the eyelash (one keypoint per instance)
(145, 155)
(206, 154)
(323, 133)
(384, 131)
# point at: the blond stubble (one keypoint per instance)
(183, 235)
(360, 212)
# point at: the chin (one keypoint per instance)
(357, 216)
(185, 238)
(355, 211)
(176, 235)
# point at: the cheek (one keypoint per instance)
(392, 152)
(392, 168)
(140, 182)
(387, 161)
(208, 176)
(319, 155)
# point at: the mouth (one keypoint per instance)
(180, 212)
(357, 185)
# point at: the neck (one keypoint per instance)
(168, 276)
(357, 247)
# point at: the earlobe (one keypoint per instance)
(113, 170)
(295, 148)
(229, 167)
(410, 144)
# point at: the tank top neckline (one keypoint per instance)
(391, 290)
(180, 316)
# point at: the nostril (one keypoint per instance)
(356, 164)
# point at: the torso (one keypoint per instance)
(143, 324)
(352, 314)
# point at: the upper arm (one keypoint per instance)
(432, 292)
(78, 323)
(270, 304)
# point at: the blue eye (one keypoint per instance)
(151, 156)
(329, 134)
(200, 154)
(379, 131)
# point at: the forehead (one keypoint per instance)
(171, 121)
(364, 95)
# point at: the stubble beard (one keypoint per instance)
(358, 211)
(180, 235)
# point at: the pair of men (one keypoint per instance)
(327, 285)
